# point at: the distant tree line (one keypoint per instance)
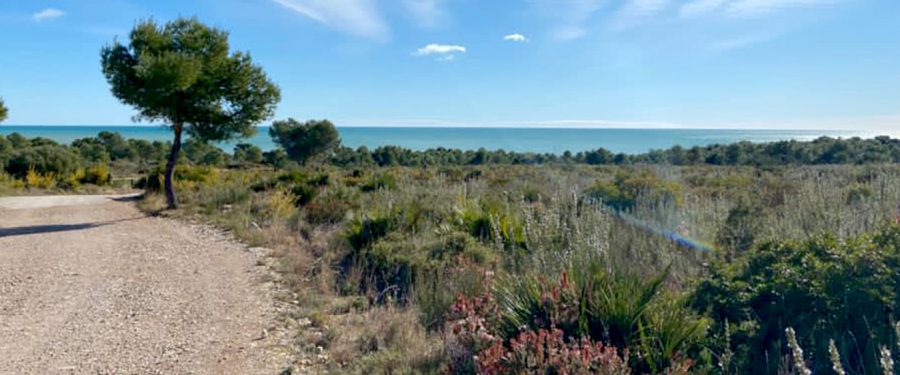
(319, 142)
(824, 150)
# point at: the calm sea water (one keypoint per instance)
(510, 139)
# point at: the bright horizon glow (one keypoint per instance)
(611, 64)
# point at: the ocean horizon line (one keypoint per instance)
(494, 126)
(519, 139)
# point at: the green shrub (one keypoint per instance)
(217, 196)
(627, 189)
(364, 232)
(619, 310)
(824, 288)
(153, 181)
(293, 177)
(245, 153)
(383, 181)
(859, 193)
(321, 180)
(740, 229)
(304, 194)
(329, 208)
(43, 159)
(97, 175)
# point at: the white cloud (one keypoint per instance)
(698, 7)
(752, 8)
(48, 14)
(357, 17)
(443, 52)
(426, 13)
(439, 49)
(519, 38)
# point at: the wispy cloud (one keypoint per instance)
(48, 14)
(518, 38)
(569, 16)
(752, 8)
(635, 11)
(357, 17)
(697, 7)
(743, 41)
(426, 13)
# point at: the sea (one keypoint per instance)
(519, 139)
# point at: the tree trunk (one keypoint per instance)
(170, 168)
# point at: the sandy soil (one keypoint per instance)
(91, 285)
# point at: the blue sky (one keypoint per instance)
(822, 64)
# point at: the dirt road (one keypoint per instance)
(90, 285)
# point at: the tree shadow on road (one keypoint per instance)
(41, 229)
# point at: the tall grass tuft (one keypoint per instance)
(796, 352)
(835, 357)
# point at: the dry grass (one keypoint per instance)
(342, 329)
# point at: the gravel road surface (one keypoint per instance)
(89, 285)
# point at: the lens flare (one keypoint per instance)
(671, 235)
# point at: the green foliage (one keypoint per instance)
(277, 158)
(245, 153)
(116, 146)
(329, 208)
(18, 141)
(421, 236)
(740, 229)
(183, 72)
(4, 112)
(364, 232)
(626, 189)
(824, 288)
(43, 159)
(822, 151)
(202, 153)
(304, 193)
(92, 150)
(97, 175)
(224, 194)
(304, 142)
(620, 310)
(859, 193)
(378, 182)
(199, 175)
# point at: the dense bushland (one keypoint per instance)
(825, 288)
(639, 269)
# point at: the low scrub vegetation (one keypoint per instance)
(577, 269)
(510, 266)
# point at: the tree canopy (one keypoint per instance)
(3, 111)
(183, 73)
(305, 141)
